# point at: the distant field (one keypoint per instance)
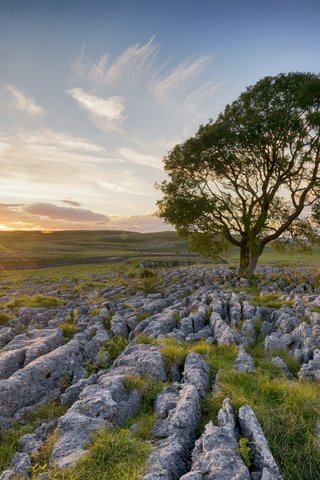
(75, 252)
(69, 251)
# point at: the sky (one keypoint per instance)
(93, 94)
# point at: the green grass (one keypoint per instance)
(147, 387)
(120, 453)
(287, 412)
(262, 359)
(114, 455)
(9, 438)
(114, 346)
(142, 316)
(4, 319)
(270, 300)
(217, 356)
(34, 301)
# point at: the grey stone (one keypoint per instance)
(186, 325)
(39, 378)
(266, 328)
(205, 333)
(167, 400)
(170, 457)
(146, 359)
(216, 454)
(72, 393)
(275, 341)
(6, 335)
(26, 347)
(29, 443)
(222, 332)
(118, 326)
(5, 424)
(156, 325)
(196, 372)
(105, 404)
(243, 361)
(21, 463)
(311, 370)
(278, 362)
(8, 475)
(252, 430)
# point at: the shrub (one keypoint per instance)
(114, 346)
(245, 451)
(142, 316)
(146, 273)
(270, 300)
(4, 319)
(68, 330)
(34, 301)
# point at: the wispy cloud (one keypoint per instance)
(135, 62)
(140, 157)
(193, 103)
(132, 62)
(105, 113)
(180, 78)
(21, 102)
(73, 203)
(60, 141)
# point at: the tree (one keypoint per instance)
(252, 176)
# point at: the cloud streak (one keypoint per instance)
(106, 113)
(21, 102)
(66, 214)
(134, 63)
(180, 78)
(47, 216)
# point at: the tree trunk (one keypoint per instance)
(248, 259)
(252, 264)
(244, 259)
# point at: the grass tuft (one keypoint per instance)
(4, 319)
(114, 454)
(34, 301)
(270, 300)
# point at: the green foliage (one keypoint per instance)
(173, 354)
(107, 321)
(94, 367)
(287, 411)
(257, 324)
(144, 339)
(34, 301)
(245, 451)
(69, 327)
(176, 317)
(146, 273)
(113, 454)
(226, 184)
(114, 346)
(65, 380)
(142, 316)
(40, 459)
(4, 319)
(270, 300)
(217, 356)
(147, 387)
(9, 439)
(68, 330)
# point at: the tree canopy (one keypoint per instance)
(252, 176)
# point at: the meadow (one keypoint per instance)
(73, 253)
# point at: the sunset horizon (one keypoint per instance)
(94, 97)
